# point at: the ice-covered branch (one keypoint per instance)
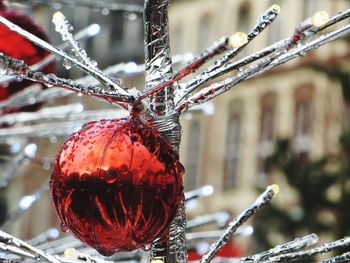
(24, 249)
(96, 5)
(19, 68)
(296, 244)
(87, 32)
(276, 58)
(104, 80)
(263, 199)
(63, 27)
(327, 247)
(304, 31)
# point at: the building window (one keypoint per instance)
(267, 136)
(232, 146)
(192, 165)
(303, 120)
(204, 32)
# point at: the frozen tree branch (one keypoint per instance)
(276, 58)
(104, 80)
(96, 5)
(263, 199)
(233, 44)
(19, 68)
(304, 31)
(19, 247)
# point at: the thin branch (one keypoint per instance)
(9, 240)
(63, 27)
(104, 80)
(296, 244)
(224, 44)
(95, 5)
(86, 32)
(303, 31)
(19, 68)
(338, 259)
(263, 199)
(274, 60)
(327, 247)
(35, 94)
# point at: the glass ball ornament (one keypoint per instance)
(116, 185)
(16, 46)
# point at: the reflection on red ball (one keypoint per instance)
(116, 185)
(14, 45)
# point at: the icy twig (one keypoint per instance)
(104, 6)
(203, 191)
(19, 68)
(16, 251)
(265, 64)
(52, 113)
(63, 27)
(263, 21)
(87, 32)
(302, 50)
(296, 244)
(327, 247)
(35, 94)
(9, 240)
(304, 30)
(338, 259)
(263, 199)
(104, 80)
(234, 44)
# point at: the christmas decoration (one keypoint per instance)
(116, 185)
(28, 52)
(163, 99)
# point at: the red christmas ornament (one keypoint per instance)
(116, 185)
(18, 47)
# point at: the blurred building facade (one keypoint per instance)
(226, 145)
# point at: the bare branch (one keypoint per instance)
(104, 80)
(263, 199)
(19, 68)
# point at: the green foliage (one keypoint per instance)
(311, 181)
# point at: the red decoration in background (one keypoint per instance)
(116, 185)
(18, 47)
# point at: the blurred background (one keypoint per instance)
(289, 126)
